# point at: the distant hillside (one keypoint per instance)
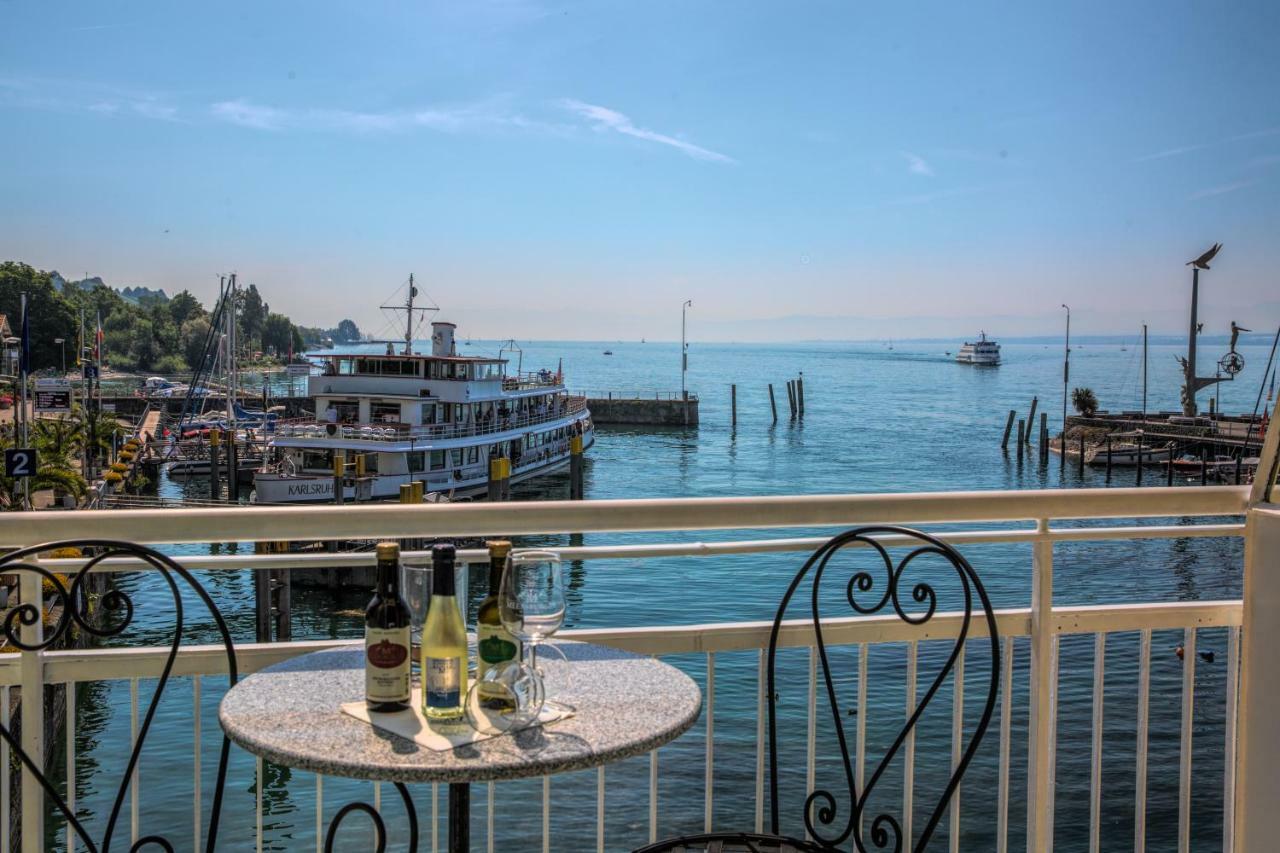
(136, 295)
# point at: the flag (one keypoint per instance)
(97, 340)
(24, 356)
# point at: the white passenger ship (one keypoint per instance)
(436, 418)
(982, 352)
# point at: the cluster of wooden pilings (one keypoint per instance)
(1024, 432)
(795, 399)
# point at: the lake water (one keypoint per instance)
(877, 420)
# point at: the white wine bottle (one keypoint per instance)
(444, 643)
(386, 637)
(495, 647)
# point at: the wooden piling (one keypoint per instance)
(773, 406)
(1169, 475)
(1239, 465)
(215, 440)
(575, 468)
(1204, 467)
(1108, 457)
(261, 599)
(1031, 417)
(1138, 481)
(791, 399)
(1008, 425)
(800, 394)
(1022, 425)
(1044, 438)
(733, 404)
(1082, 453)
(495, 477)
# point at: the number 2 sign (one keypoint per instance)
(20, 462)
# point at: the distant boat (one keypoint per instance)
(983, 352)
(608, 352)
(642, 340)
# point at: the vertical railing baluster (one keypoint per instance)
(546, 814)
(489, 821)
(257, 808)
(957, 726)
(1184, 755)
(653, 796)
(4, 776)
(31, 591)
(319, 813)
(1095, 759)
(1144, 719)
(709, 775)
(600, 809)
(760, 718)
(1006, 706)
(197, 796)
(1039, 723)
(811, 729)
(860, 737)
(909, 766)
(133, 741)
(71, 762)
(1229, 749)
(1053, 741)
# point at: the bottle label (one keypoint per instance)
(386, 671)
(496, 646)
(442, 682)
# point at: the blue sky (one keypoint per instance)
(578, 170)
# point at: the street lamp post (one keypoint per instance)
(1066, 378)
(63, 351)
(684, 359)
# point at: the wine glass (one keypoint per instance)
(531, 603)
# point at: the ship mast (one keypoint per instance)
(408, 308)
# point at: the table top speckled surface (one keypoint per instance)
(626, 705)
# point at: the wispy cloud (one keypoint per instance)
(1201, 146)
(246, 113)
(1222, 189)
(605, 119)
(917, 165)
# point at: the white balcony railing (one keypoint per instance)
(1032, 634)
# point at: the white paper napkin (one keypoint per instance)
(440, 737)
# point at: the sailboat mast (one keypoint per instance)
(408, 318)
(231, 362)
(1144, 371)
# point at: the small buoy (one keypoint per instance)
(1180, 652)
(1207, 657)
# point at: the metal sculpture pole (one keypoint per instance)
(684, 360)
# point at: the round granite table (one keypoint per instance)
(625, 705)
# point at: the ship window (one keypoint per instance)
(473, 455)
(428, 413)
(457, 457)
(347, 412)
(384, 412)
(459, 413)
(371, 463)
(317, 460)
(416, 461)
(437, 460)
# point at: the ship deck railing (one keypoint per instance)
(401, 432)
(719, 754)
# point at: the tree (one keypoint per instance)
(251, 315)
(183, 306)
(192, 338)
(1084, 401)
(347, 332)
(49, 315)
(277, 334)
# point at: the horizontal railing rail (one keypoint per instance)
(273, 523)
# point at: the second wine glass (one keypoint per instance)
(532, 602)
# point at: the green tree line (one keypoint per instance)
(155, 334)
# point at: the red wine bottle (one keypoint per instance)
(386, 637)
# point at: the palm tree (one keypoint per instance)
(1084, 401)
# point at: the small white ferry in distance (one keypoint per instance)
(983, 352)
(436, 418)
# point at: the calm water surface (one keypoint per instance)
(877, 420)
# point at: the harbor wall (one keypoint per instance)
(644, 412)
(131, 406)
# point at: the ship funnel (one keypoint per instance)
(442, 338)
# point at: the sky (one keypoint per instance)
(579, 170)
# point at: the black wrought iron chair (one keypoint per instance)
(118, 611)
(825, 829)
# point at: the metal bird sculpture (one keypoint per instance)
(1202, 262)
(1235, 334)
